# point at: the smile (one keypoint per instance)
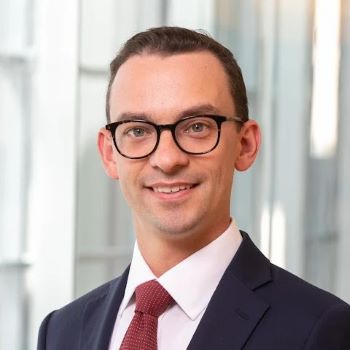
(171, 189)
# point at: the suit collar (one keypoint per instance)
(249, 265)
(234, 310)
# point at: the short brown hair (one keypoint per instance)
(175, 40)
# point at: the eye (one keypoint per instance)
(136, 132)
(197, 127)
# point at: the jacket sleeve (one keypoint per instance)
(332, 330)
(43, 332)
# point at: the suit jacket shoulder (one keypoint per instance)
(82, 323)
(309, 317)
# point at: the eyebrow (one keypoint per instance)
(199, 109)
(191, 111)
(132, 116)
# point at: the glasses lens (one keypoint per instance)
(197, 134)
(135, 139)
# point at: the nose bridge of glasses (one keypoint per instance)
(163, 127)
(169, 127)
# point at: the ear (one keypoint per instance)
(107, 153)
(250, 138)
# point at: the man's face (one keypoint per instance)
(170, 192)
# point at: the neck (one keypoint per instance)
(162, 251)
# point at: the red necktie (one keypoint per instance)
(151, 301)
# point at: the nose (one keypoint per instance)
(168, 157)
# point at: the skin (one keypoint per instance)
(170, 227)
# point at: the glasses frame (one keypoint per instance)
(219, 119)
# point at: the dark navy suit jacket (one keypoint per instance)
(256, 305)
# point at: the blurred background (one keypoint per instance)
(64, 226)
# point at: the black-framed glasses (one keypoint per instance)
(200, 134)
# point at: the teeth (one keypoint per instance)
(172, 189)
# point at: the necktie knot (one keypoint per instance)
(152, 298)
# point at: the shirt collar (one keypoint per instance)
(139, 273)
(193, 281)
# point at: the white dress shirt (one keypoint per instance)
(191, 283)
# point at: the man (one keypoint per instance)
(177, 130)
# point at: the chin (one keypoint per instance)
(176, 227)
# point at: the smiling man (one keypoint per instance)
(177, 130)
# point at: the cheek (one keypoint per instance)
(125, 178)
(223, 179)
(223, 174)
(129, 174)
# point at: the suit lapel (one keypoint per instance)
(234, 310)
(100, 314)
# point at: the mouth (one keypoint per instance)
(171, 189)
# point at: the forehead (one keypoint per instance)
(164, 86)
